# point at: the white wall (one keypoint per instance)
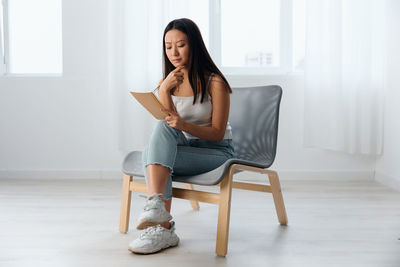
(388, 166)
(62, 124)
(66, 127)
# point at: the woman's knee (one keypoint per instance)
(144, 155)
(163, 126)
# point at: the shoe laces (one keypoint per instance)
(153, 232)
(153, 202)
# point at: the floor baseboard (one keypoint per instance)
(388, 180)
(60, 174)
(245, 176)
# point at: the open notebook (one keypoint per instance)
(151, 103)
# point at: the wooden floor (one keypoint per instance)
(75, 223)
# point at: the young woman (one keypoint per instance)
(194, 138)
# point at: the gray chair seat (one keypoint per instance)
(133, 165)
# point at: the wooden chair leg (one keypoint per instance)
(278, 198)
(125, 204)
(224, 211)
(194, 203)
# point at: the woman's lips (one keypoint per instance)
(176, 60)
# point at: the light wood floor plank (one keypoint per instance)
(75, 223)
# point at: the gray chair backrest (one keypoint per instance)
(254, 116)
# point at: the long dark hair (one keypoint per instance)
(200, 62)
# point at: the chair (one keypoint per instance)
(254, 115)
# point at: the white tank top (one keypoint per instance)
(199, 113)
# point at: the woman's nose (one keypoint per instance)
(175, 51)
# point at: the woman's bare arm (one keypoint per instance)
(165, 98)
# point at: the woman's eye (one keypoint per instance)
(168, 48)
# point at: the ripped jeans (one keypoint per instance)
(170, 148)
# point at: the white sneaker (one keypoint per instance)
(154, 212)
(154, 239)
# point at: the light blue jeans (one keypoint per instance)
(170, 148)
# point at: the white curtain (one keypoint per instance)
(135, 47)
(344, 75)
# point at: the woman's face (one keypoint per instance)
(177, 47)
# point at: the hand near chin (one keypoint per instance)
(174, 79)
(173, 119)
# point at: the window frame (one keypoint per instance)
(3, 39)
(285, 39)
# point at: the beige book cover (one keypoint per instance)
(151, 103)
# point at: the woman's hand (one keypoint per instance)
(173, 119)
(173, 79)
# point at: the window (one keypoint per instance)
(257, 37)
(32, 37)
(252, 40)
(2, 59)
